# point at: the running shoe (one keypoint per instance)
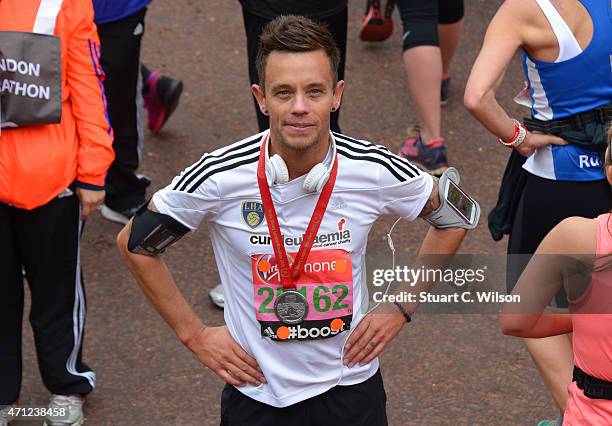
(72, 408)
(144, 179)
(375, 26)
(444, 86)
(5, 416)
(124, 216)
(161, 99)
(430, 158)
(217, 296)
(118, 216)
(557, 422)
(389, 12)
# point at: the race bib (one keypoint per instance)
(327, 285)
(30, 79)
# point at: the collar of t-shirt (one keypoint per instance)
(299, 181)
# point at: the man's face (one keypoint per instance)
(299, 96)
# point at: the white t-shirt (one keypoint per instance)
(221, 189)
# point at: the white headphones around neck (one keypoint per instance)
(277, 172)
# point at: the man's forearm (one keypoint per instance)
(442, 241)
(157, 283)
(436, 252)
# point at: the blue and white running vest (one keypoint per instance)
(578, 81)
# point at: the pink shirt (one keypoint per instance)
(592, 336)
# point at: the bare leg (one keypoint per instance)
(423, 65)
(553, 356)
(449, 40)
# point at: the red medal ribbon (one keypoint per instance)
(289, 274)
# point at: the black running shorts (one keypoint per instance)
(362, 404)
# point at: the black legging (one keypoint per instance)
(420, 19)
(543, 204)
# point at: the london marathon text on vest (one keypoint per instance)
(29, 90)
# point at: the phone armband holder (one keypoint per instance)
(457, 209)
(153, 232)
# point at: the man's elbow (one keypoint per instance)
(122, 242)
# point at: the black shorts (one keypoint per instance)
(420, 19)
(362, 404)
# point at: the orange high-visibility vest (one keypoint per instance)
(38, 162)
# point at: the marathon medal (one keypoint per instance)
(291, 307)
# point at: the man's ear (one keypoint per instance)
(338, 91)
(258, 92)
(608, 171)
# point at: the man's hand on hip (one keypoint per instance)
(216, 349)
(90, 200)
(371, 336)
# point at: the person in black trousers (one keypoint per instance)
(129, 86)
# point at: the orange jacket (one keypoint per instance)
(38, 162)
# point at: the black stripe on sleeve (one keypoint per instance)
(398, 167)
(223, 169)
(382, 150)
(371, 159)
(199, 167)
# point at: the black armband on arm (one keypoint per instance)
(153, 232)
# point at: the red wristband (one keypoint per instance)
(517, 131)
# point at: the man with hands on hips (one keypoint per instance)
(288, 212)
